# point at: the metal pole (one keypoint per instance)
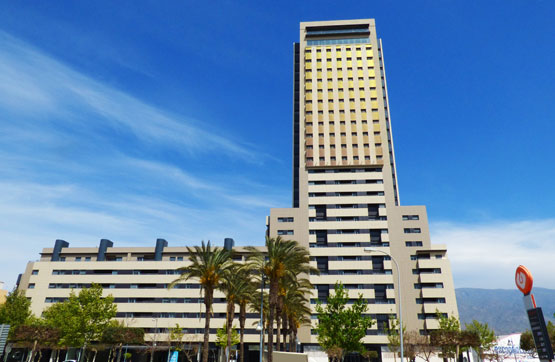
(400, 299)
(261, 316)
(154, 343)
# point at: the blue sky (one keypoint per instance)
(127, 120)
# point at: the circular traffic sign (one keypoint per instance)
(523, 279)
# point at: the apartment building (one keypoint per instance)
(137, 278)
(346, 210)
(346, 205)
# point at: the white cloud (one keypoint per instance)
(48, 92)
(33, 215)
(487, 255)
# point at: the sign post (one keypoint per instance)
(524, 282)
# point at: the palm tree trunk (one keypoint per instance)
(208, 296)
(285, 329)
(229, 321)
(278, 330)
(242, 319)
(273, 302)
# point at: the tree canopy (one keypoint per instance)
(83, 317)
(340, 329)
(16, 311)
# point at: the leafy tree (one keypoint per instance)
(83, 317)
(486, 336)
(35, 336)
(221, 336)
(208, 265)
(447, 336)
(176, 334)
(16, 310)
(116, 335)
(340, 329)
(425, 349)
(282, 259)
(527, 340)
(411, 342)
(527, 343)
(393, 337)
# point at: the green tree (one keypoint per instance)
(446, 337)
(208, 266)
(296, 310)
(340, 329)
(282, 259)
(83, 317)
(527, 343)
(239, 288)
(235, 284)
(16, 311)
(221, 336)
(527, 340)
(36, 337)
(486, 336)
(393, 337)
(116, 335)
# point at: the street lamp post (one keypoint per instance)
(399, 290)
(155, 335)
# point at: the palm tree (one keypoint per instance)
(208, 265)
(296, 310)
(283, 258)
(244, 297)
(238, 287)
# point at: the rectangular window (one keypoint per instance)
(285, 232)
(179, 258)
(77, 258)
(87, 258)
(413, 243)
(35, 272)
(411, 217)
(412, 230)
(172, 258)
(285, 219)
(31, 286)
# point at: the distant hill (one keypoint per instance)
(502, 309)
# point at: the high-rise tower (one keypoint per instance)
(345, 193)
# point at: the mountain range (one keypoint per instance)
(502, 309)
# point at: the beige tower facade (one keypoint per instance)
(345, 194)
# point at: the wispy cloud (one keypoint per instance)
(487, 255)
(35, 85)
(81, 160)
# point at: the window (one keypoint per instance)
(285, 219)
(77, 258)
(35, 272)
(31, 286)
(285, 232)
(87, 258)
(413, 243)
(409, 217)
(179, 258)
(412, 230)
(63, 258)
(172, 258)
